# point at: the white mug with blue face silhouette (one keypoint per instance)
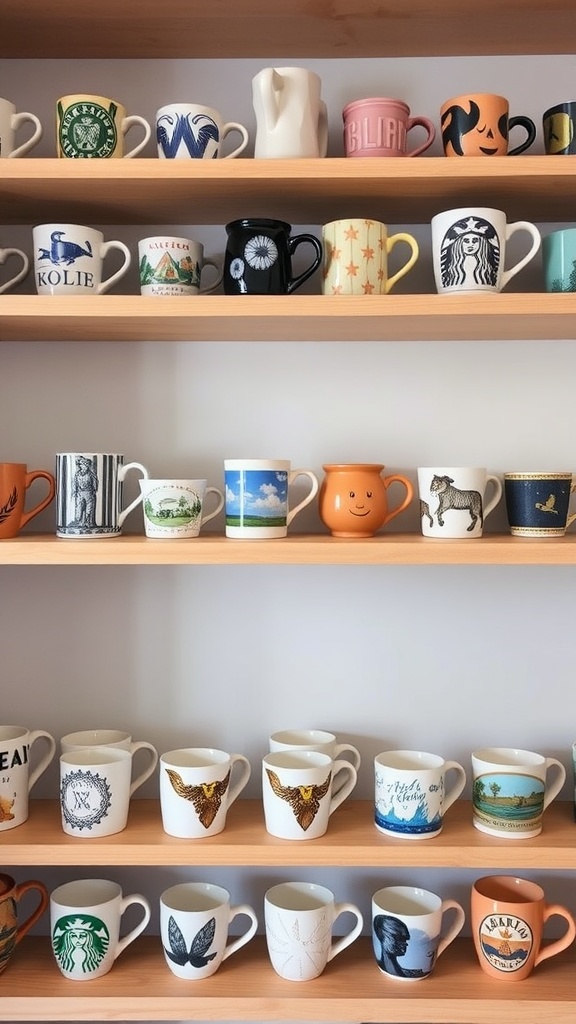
(406, 930)
(188, 131)
(68, 260)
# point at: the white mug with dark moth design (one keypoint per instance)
(194, 922)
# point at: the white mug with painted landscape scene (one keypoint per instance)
(469, 249)
(175, 508)
(169, 265)
(453, 501)
(510, 790)
(257, 497)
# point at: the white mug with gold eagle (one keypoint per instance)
(197, 788)
(301, 790)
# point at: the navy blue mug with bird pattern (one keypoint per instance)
(68, 260)
(187, 131)
(258, 257)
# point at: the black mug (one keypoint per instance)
(258, 258)
(559, 127)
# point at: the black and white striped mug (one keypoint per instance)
(89, 494)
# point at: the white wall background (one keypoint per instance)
(439, 658)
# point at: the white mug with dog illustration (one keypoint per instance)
(68, 260)
(453, 501)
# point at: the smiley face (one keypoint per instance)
(471, 131)
(361, 505)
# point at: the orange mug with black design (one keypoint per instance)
(479, 124)
(15, 479)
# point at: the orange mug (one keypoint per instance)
(14, 482)
(10, 931)
(478, 124)
(353, 500)
(508, 918)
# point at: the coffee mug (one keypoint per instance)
(469, 249)
(95, 790)
(21, 274)
(175, 508)
(89, 494)
(15, 479)
(85, 920)
(194, 921)
(558, 129)
(95, 126)
(406, 930)
(173, 266)
(355, 260)
(197, 789)
(379, 126)
(12, 932)
(257, 497)
(537, 504)
(301, 790)
(411, 797)
(510, 791)
(478, 124)
(187, 131)
(69, 258)
(10, 123)
(508, 916)
(559, 260)
(353, 498)
(300, 918)
(115, 738)
(258, 257)
(17, 776)
(453, 500)
(313, 739)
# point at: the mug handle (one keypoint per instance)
(104, 250)
(452, 794)
(402, 236)
(210, 261)
(122, 471)
(496, 496)
(311, 494)
(241, 940)
(554, 788)
(552, 948)
(398, 478)
(347, 748)
(345, 788)
(17, 121)
(456, 926)
(236, 788)
(38, 734)
(346, 940)
(19, 891)
(126, 902)
(30, 477)
(511, 229)
(570, 519)
(293, 244)
(4, 253)
(422, 122)
(528, 124)
(230, 127)
(128, 123)
(146, 772)
(220, 505)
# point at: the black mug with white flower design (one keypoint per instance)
(258, 258)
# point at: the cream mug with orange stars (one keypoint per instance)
(355, 260)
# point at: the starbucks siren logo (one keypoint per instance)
(87, 129)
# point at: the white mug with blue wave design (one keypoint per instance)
(410, 792)
(188, 131)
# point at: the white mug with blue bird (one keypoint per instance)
(194, 921)
(69, 260)
(188, 131)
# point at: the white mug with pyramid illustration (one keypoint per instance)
(173, 266)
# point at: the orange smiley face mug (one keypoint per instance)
(353, 499)
(478, 124)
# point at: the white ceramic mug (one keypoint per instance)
(89, 126)
(300, 793)
(69, 259)
(89, 492)
(315, 739)
(196, 789)
(453, 500)
(175, 508)
(85, 919)
(10, 123)
(170, 265)
(299, 918)
(257, 497)
(95, 790)
(194, 922)
(115, 738)
(16, 774)
(510, 791)
(469, 249)
(406, 930)
(189, 131)
(411, 798)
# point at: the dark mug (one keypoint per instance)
(559, 128)
(258, 258)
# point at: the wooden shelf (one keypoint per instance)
(299, 549)
(311, 192)
(256, 28)
(352, 840)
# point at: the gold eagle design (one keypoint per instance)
(304, 800)
(205, 798)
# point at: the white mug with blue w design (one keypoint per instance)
(69, 259)
(411, 797)
(188, 131)
(89, 494)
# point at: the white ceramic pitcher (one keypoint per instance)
(291, 119)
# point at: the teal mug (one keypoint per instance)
(559, 260)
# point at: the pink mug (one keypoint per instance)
(379, 126)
